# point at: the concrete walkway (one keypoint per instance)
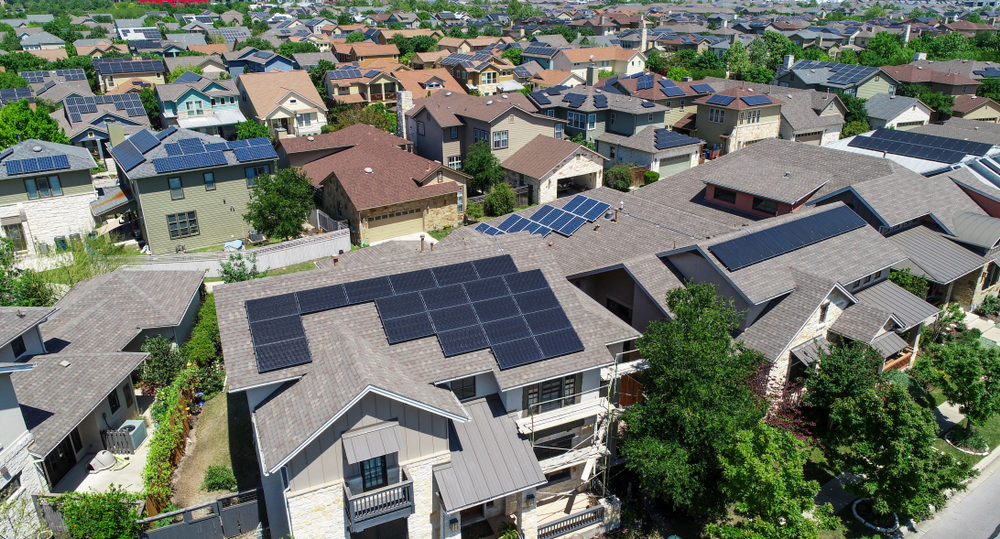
(947, 416)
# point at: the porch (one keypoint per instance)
(580, 513)
(369, 509)
(127, 472)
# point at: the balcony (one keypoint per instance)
(548, 414)
(572, 523)
(368, 509)
(388, 96)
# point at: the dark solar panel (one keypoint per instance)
(509, 222)
(516, 353)
(455, 273)
(277, 329)
(648, 104)
(526, 281)
(127, 155)
(412, 281)
(540, 98)
(173, 149)
(282, 355)
(665, 139)
(455, 317)
(271, 307)
(978, 149)
(60, 161)
(702, 88)
(506, 330)
(548, 320)
(495, 309)
(406, 328)
(601, 101)
(756, 100)
(536, 300)
(672, 91)
(321, 299)
(144, 141)
(166, 132)
(191, 145)
(559, 343)
(399, 305)
(233, 144)
(484, 289)
(497, 265)
(571, 225)
(722, 100)
(367, 290)
(445, 296)
(462, 340)
(13, 166)
(243, 155)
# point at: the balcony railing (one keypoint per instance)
(578, 521)
(367, 509)
(388, 96)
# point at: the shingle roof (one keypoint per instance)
(16, 320)
(961, 128)
(912, 73)
(886, 107)
(349, 136)
(967, 103)
(773, 331)
(654, 276)
(79, 158)
(887, 296)
(542, 154)
(599, 54)
(645, 141)
(265, 90)
(446, 109)
(802, 109)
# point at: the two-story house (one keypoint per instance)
(622, 62)
(488, 76)
(677, 96)
(590, 111)
(45, 195)
(57, 85)
(734, 118)
(856, 80)
(201, 104)
(938, 81)
(443, 126)
(287, 102)
(251, 60)
(350, 84)
(120, 75)
(190, 189)
(86, 120)
(364, 52)
(446, 435)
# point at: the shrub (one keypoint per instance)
(474, 212)
(500, 200)
(913, 284)
(989, 307)
(100, 515)
(163, 363)
(649, 177)
(618, 177)
(170, 411)
(236, 270)
(211, 380)
(219, 477)
(204, 347)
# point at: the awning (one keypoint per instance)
(889, 343)
(808, 353)
(114, 200)
(489, 459)
(509, 86)
(374, 441)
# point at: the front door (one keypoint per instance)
(60, 461)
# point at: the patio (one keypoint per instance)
(129, 477)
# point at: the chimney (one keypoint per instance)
(115, 134)
(421, 243)
(644, 41)
(404, 102)
(591, 74)
(906, 34)
(789, 61)
(336, 260)
(919, 56)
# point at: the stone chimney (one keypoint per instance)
(906, 34)
(644, 40)
(404, 102)
(789, 61)
(919, 56)
(591, 74)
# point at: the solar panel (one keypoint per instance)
(412, 281)
(588, 208)
(702, 88)
(908, 150)
(601, 101)
(243, 155)
(60, 161)
(526, 281)
(271, 307)
(495, 266)
(644, 82)
(367, 290)
(127, 155)
(321, 299)
(262, 141)
(455, 273)
(191, 145)
(648, 104)
(559, 343)
(540, 98)
(549, 217)
(144, 141)
(496, 308)
(166, 132)
(672, 91)
(445, 296)
(720, 100)
(547, 321)
(485, 289)
(536, 300)
(30, 165)
(173, 149)
(978, 149)
(406, 328)
(752, 248)
(277, 329)
(665, 139)
(506, 330)
(216, 147)
(233, 144)
(462, 340)
(509, 222)
(282, 355)
(516, 353)
(13, 166)
(756, 100)
(449, 318)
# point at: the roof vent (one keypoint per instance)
(789, 96)
(447, 93)
(36, 148)
(488, 103)
(368, 170)
(919, 67)
(310, 138)
(892, 97)
(504, 96)
(64, 363)
(787, 175)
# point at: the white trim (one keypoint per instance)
(264, 384)
(445, 381)
(564, 375)
(43, 319)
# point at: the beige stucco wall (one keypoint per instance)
(112, 82)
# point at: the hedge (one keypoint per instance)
(170, 411)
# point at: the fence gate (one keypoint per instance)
(118, 442)
(228, 516)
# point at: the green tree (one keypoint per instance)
(12, 80)
(19, 122)
(968, 374)
(764, 479)
(857, 113)
(483, 166)
(402, 43)
(989, 88)
(514, 8)
(736, 57)
(151, 105)
(708, 61)
(514, 55)
(845, 371)
(355, 37)
(677, 73)
(257, 43)
(906, 280)
(424, 44)
(619, 177)
(455, 31)
(758, 74)
(318, 75)
(884, 49)
(655, 61)
(937, 101)
(251, 129)
(875, 12)
(236, 269)
(288, 48)
(885, 438)
(101, 515)
(376, 115)
(500, 200)
(180, 70)
(280, 203)
(163, 363)
(701, 389)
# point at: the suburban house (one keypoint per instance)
(22, 477)
(349, 84)
(541, 53)
(590, 111)
(40, 41)
(980, 109)
(622, 62)
(384, 191)
(95, 48)
(470, 45)
(251, 60)
(58, 85)
(212, 65)
(201, 104)
(188, 189)
(81, 387)
(973, 69)
(45, 195)
(448, 412)
(732, 119)
(938, 81)
(310, 60)
(897, 112)
(547, 78)
(664, 152)
(488, 76)
(287, 102)
(427, 81)
(364, 51)
(88, 120)
(120, 75)
(442, 127)
(298, 151)
(856, 80)
(550, 165)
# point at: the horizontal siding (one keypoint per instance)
(77, 182)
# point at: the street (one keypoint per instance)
(977, 516)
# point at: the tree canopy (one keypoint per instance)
(483, 166)
(251, 129)
(19, 122)
(280, 203)
(846, 371)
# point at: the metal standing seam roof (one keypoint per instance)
(940, 258)
(888, 343)
(974, 229)
(908, 309)
(373, 441)
(809, 352)
(860, 322)
(489, 458)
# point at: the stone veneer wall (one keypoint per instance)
(53, 216)
(425, 521)
(17, 460)
(752, 132)
(812, 329)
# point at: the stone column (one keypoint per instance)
(318, 514)
(527, 517)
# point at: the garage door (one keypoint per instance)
(674, 165)
(386, 226)
(814, 138)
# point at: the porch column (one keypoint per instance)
(451, 520)
(527, 517)
(947, 294)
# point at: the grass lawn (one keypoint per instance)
(213, 444)
(440, 234)
(990, 431)
(294, 268)
(816, 468)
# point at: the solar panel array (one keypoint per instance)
(723, 100)
(548, 218)
(344, 73)
(756, 100)
(469, 306)
(8, 95)
(842, 74)
(664, 139)
(670, 88)
(644, 82)
(230, 34)
(36, 164)
(575, 100)
(34, 77)
(187, 76)
(920, 146)
(965, 146)
(128, 102)
(127, 65)
(540, 50)
(600, 101)
(702, 88)
(750, 249)
(648, 104)
(192, 153)
(989, 72)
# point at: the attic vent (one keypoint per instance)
(310, 138)
(368, 170)
(64, 363)
(488, 103)
(293, 101)
(36, 148)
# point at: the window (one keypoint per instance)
(182, 225)
(15, 233)
(576, 120)
(591, 121)
(454, 133)
(499, 140)
(113, 401)
(60, 243)
(716, 116)
(824, 309)
(303, 120)
(965, 90)
(490, 77)
(253, 172)
(43, 187)
(558, 132)
(373, 473)
(767, 206)
(10, 488)
(612, 152)
(551, 392)
(464, 388)
(461, 202)
(455, 162)
(420, 128)
(18, 346)
(176, 189)
(76, 440)
(479, 134)
(213, 101)
(867, 280)
(129, 395)
(612, 119)
(725, 195)
(194, 108)
(550, 112)
(650, 118)
(992, 275)
(209, 181)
